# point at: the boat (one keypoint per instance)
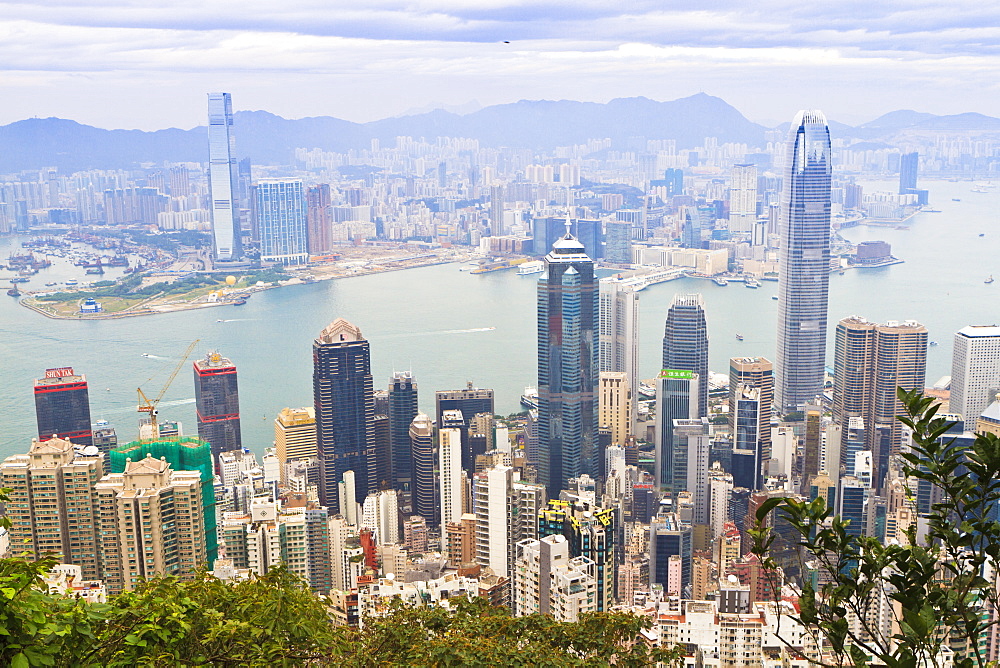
(647, 390)
(933, 343)
(20, 279)
(14, 292)
(774, 297)
(982, 234)
(989, 279)
(720, 282)
(529, 268)
(71, 281)
(930, 211)
(751, 282)
(530, 398)
(955, 199)
(146, 355)
(239, 302)
(739, 337)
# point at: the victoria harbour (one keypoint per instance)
(450, 327)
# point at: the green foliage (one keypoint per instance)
(934, 588)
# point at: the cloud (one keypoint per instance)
(372, 59)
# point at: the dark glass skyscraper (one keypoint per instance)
(345, 409)
(804, 268)
(908, 165)
(424, 488)
(402, 410)
(223, 179)
(62, 406)
(685, 342)
(568, 366)
(217, 404)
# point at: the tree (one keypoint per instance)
(934, 589)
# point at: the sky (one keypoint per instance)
(139, 64)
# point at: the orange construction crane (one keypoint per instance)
(147, 406)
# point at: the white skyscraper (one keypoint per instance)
(975, 370)
(380, 513)
(619, 331)
(450, 466)
(743, 199)
(223, 179)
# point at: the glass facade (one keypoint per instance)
(282, 221)
(685, 342)
(804, 267)
(223, 179)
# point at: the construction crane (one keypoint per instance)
(149, 406)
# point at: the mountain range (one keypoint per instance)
(268, 139)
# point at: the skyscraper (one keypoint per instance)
(975, 370)
(496, 210)
(758, 373)
(345, 409)
(223, 180)
(402, 410)
(280, 212)
(908, 165)
(319, 220)
(618, 242)
(691, 228)
(62, 406)
(422, 452)
(619, 332)
(685, 342)
(676, 399)
(568, 363)
(450, 468)
(743, 199)
(295, 434)
(217, 403)
(870, 362)
(804, 267)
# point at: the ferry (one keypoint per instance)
(529, 268)
(774, 297)
(721, 282)
(739, 337)
(71, 281)
(530, 398)
(751, 282)
(647, 390)
(933, 343)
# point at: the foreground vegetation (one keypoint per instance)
(275, 620)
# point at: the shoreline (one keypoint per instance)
(140, 310)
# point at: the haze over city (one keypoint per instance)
(115, 64)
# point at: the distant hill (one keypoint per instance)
(533, 124)
(270, 139)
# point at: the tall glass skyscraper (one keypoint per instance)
(217, 404)
(804, 269)
(685, 342)
(345, 409)
(223, 179)
(402, 411)
(282, 221)
(568, 365)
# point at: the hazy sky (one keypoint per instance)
(137, 64)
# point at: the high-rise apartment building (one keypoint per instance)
(975, 370)
(743, 199)
(53, 505)
(754, 372)
(153, 522)
(619, 332)
(62, 406)
(870, 362)
(424, 488)
(568, 365)
(345, 409)
(182, 454)
(450, 471)
(685, 342)
(591, 532)
(280, 211)
(227, 242)
(496, 210)
(669, 537)
(402, 410)
(505, 511)
(804, 262)
(217, 403)
(548, 581)
(319, 220)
